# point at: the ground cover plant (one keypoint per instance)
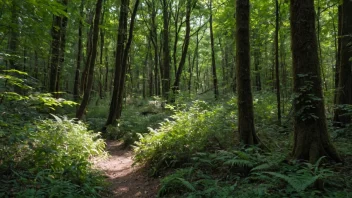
(43, 154)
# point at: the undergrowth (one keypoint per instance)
(189, 130)
(43, 154)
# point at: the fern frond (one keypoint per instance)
(262, 167)
(239, 162)
(298, 183)
(187, 184)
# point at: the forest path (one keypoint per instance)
(125, 181)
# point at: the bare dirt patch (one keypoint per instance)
(126, 181)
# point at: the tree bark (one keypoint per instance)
(337, 65)
(245, 100)
(62, 48)
(55, 52)
(185, 45)
(79, 55)
(278, 96)
(311, 138)
(121, 61)
(213, 64)
(344, 91)
(91, 63)
(14, 40)
(165, 69)
(258, 83)
(58, 33)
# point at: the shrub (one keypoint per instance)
(188, 131)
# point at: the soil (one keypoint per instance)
(126, 180)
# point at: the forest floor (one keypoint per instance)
(125, 180)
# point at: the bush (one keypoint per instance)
(49, 158)
(42, 157)
(188, 131)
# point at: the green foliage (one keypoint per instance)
(51, 158)
(45, 157)
(64, 146)
(218, 175)
(188, 131)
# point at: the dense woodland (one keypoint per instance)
(217, 98)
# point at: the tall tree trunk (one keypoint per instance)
(79, 55)
(337, 65)
(319, 47)
(91, 63)
(245, 100)
(14, 35)
(258, 83)
(62, 48)
(85, 72)
(14, 39)
(165, 69)
(311, 139)
(106, 70)
(102, 42)
(344, 91)
(190, 74)
(277, 28)
(213, 64)
(121, 61)
(58, 33)
(185, 45)
(55, 53)
(177, 32)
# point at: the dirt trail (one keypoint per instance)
(126, 181)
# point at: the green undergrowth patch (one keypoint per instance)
(197, 149)
(51, 158)
(190, 129)
(248, 172)
(136, 118)
(43, 154)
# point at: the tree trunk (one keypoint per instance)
(62, 48)
(79, 55)
(344, 91)
(165, 69)
(337, 65)
(245, 100)
(258, 83)
(213, 65)
(14, 40)
(185, 45)
(91, 63)
(121, 61)
(101, 57)
(278, 97)
(85, 72)
(311, 139)
(58, 33)
(55, 53)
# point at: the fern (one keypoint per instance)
(262, 167)
(239, 163)
(299, 183)
(187, 184)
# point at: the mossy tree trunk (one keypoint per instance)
(311, 139)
